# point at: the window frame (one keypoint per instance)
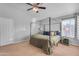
(75, 30)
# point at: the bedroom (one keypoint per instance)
(15, 27)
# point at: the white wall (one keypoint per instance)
(55, 24)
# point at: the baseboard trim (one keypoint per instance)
(14, 42)
(74, 45)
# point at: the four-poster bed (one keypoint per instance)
(43, 36)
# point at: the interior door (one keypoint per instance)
(6, 31)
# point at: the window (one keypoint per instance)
(68, 27)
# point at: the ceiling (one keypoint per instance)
(53, 9)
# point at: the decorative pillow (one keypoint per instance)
(52, 33)
(58, 33)
(46, 33)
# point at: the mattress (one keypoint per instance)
(39, 36)
(54, 39)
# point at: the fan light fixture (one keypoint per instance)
(35, 9)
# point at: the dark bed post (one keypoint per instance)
(60, 30)
(49, 42)
(30, 29)
(50, 30)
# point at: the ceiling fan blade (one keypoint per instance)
(37, 3)
(29, 4)
(29, 9)
(42, 7)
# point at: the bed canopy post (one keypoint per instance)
(49, 41)
(60, 29)
(30, 29)
(50, 30)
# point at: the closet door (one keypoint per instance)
(6, 31)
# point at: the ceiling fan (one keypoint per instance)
(35, 7)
